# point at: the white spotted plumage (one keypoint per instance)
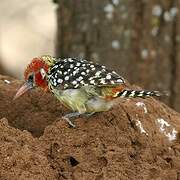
(73, 71)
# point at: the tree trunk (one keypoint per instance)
(139, 39)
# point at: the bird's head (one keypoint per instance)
(35, 74)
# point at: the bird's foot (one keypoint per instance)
(88, 115)
(68, 118)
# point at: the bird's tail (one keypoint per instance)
(139, 93)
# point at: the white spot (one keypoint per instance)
(59, 80)
(124, 94)
(140, 94)
(78, 64)
(87, 70)
(92, 82)
(65, 72)
(7, 81)
(92, 77)
(154, 31)
(76, 85)
(98, 73)
(144, 53)
(79, 78)
(148, 93)
(167, 16)
(66, 78)
(61, 66)
(114, 72)
(83, 73)
(115, 44)
(141, 104)
(76, 71)
(109, 8)
(55, 83)
(70, 60)
(60, 72)
(91, 65)
(119, 80)
(56, 66)
(102, 81)
(82, 82)
(115, 2)
(65, 85)
(138, 123)
(43, 73)
(83, 65)
(71, 66)
(132, 94)
(74, 82)
(82, 60)
(164, 126)
(108, 76)
(172, 135)
(173, 11)
(93, 69)
(157, 10)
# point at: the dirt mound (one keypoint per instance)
(137, 139)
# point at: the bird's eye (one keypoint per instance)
(30, 78)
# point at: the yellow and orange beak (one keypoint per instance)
(24, 88)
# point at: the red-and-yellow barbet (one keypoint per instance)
(83, 86)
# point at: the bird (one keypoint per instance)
(83, 86)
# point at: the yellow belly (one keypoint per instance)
(79, 100)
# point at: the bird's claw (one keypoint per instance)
(68, 117)
(88, 115)
(69, 120)
(71, 124)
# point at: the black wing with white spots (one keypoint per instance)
(72, 73)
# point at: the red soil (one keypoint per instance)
(36, 144)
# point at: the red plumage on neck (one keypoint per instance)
(34, 68)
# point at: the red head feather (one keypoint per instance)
(34, 68)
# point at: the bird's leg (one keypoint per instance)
(89, 114)
(68, 117)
